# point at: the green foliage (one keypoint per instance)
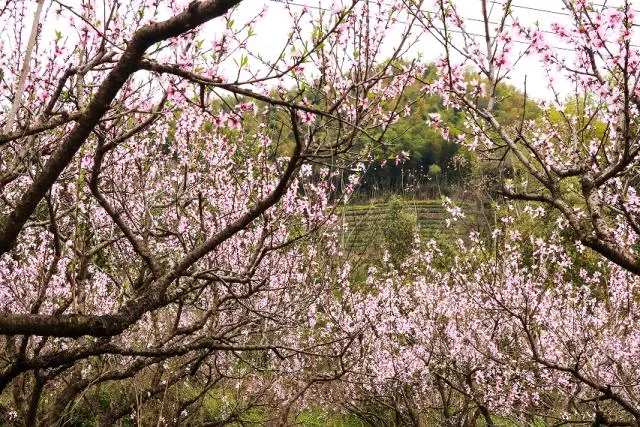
(321, 418)
(399, 230)
(434, 170)
(414, 135)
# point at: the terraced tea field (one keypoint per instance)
(366, 222)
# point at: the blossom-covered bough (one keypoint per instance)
(157, 217)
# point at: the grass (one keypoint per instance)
(321, 418)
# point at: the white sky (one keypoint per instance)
(272, 30)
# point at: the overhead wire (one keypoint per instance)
(477, 19)
(554, 12)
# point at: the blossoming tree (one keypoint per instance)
(581, 157)
(543, 335)
(542, 326)
(156, 212)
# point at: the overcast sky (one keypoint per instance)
(272, 31)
